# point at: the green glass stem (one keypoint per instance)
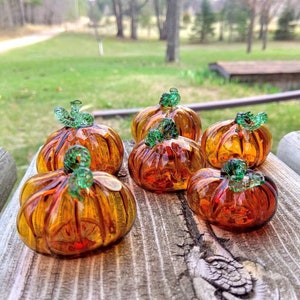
(165, 130)
(77, 161)
(170, 99)
(249, 121)
(76, 118)
(240, 177)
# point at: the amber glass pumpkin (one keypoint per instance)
(187, 121)
(246, 138)
(164, 161)
(234, 198)
(104, 143)
(73, 211)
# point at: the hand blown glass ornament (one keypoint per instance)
(104, 143)
(235, 198)
(246, 137)
(72, 211)
(187, 121)
(164, 161)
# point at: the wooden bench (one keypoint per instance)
(8, 176)
(283, 74)
(168, 254)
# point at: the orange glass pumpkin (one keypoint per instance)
(187, 121)
(235, 198)
(72, 211)
(104, 143)
(164, 161)
(246, 138)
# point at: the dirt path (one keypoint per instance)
(29, 40)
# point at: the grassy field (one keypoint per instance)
(36, 79)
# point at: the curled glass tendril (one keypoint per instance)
(249, 121)
(170, 99)
(165, 130)
(77, 161)
(76, 118)
(239, 176)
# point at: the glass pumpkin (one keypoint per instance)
(104, 143)
(73, 211)
(164, 161)
(187, 121)
(234, 198)
(246, 138)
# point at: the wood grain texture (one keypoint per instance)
(271, 254)
(284, 74)
(168, 254)
(148, 263)
(8, 175)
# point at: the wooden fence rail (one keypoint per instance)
(285, 96)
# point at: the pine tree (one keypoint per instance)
(285, 29)
(204, 21)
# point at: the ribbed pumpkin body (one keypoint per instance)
(187, 121)
(50, 221)
(167, 166)
(104, 144)
(210, 198)
(226, 139)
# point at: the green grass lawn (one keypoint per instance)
(37, 78)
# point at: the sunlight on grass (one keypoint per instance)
(37, 78)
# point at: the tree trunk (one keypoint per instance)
(134, 19)
(221, 30)
(230, 34)
(94, 21)
(251, 26)
(261, 27)
(264, 20)
(118, 12)
(135, 9)
(32, 14)
(12, 12)
(173, 18)
(99, 40)
(21, 13)
(6, 15)
(160, 24)
(265, 36)
(202, 32)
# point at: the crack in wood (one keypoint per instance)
(223, 272)
(227, 274)
(190, 223)
(216, 266)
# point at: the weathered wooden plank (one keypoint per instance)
(147, 263)
(168, 254)
(271, 254)
(283, 74)
(8, 175)
(233, 68)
